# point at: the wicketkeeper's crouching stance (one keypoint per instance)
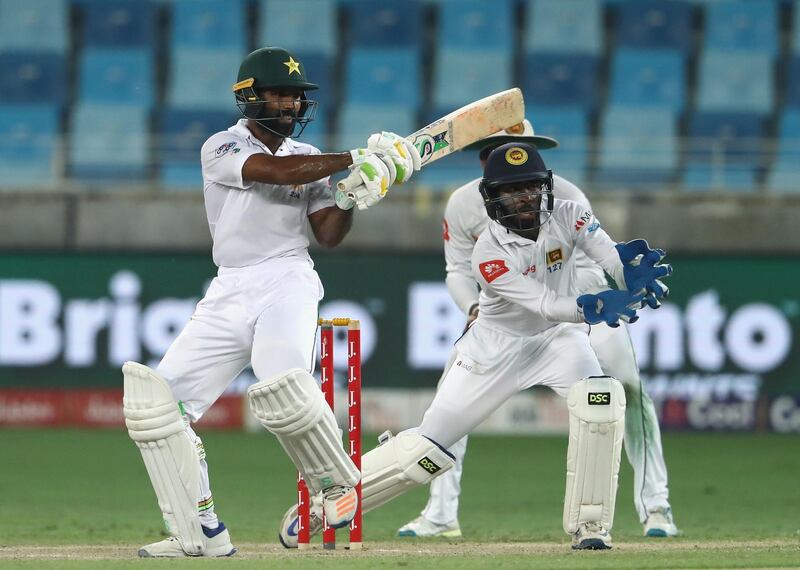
(528, 333)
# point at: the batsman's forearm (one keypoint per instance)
(335, 227)
(295, 169)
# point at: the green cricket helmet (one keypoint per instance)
(276, 69)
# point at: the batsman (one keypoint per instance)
(530, 330)
(263, 189)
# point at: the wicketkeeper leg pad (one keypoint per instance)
(400, 463)
(596, 426)
(292, 407)
(156, 425)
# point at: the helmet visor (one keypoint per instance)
(524, 205)
(274, 114)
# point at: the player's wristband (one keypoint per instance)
(359, 155)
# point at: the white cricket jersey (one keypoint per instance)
(251, 222)
(528, 286)
(465, 218)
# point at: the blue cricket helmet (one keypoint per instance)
(509, 166)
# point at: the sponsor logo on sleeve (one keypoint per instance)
(593, 227)
(226, 148)
(445, 230)
(493, 269)
(584, 219)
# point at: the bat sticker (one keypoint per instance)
(427, 145)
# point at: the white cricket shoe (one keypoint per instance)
(591, 536)
(422, 527)
(217, 543)
(340, 503)
(288, 531)
(659, 523)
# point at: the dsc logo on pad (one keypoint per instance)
(428, 465)
(599, 398)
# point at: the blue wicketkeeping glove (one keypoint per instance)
(643, 272)
(610, 307)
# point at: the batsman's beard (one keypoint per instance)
(281, 122)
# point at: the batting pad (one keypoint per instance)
(293, 408)
(399, 464)
(596, 426)
(157, 427)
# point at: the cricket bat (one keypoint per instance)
(463, 127)
(469, 124)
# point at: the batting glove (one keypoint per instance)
(362, 155)
(402, 152)
(343, 201)
(368, 181)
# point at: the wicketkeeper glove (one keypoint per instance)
(610, 307)
(643, 272)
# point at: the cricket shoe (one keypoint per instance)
(340, 503)
(591, 536)
(659, 523)
(422, 527)
(217, 543)
(290, 523)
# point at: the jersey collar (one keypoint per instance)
(240, 129)
(506, 236)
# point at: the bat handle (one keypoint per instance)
(347, 184)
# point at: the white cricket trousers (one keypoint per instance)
(264, 315)
(491, 366)
(642, 439)
(442, 506)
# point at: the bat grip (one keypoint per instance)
(347, 184)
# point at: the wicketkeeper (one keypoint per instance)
(465, 219)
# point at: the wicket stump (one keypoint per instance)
(353, 428)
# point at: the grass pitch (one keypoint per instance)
(81, 499)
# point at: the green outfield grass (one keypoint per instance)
(736, 498)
